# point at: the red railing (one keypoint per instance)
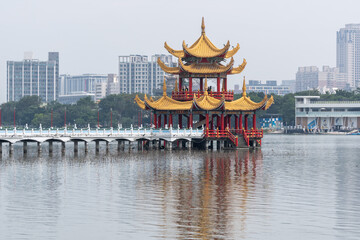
(185, 95)
(232, 134)
(222, 134)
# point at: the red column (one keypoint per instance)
(159, 121)
(170, 120)
(165, 120)
(226, 121)
(246, 122)
(155, 120)
(191, 120)
(222, 121)
(240, 122)
(225, 84)
(218, 84)
(201, 84)
(236, 122)
(254, 121)
(180, 120)
(180, 84)
(190, 84)
(207, 120)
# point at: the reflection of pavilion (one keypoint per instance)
(202, 202)
(212, 109)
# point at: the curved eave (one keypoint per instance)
(167, 103)
(209, 103)
(232, 52)
(239, 69)
(204, 48)
(140, 103)
(170, 70)
(245, 104)
(206, 68)
(176, 53)
(269, 103)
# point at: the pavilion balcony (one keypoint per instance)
(186, 95)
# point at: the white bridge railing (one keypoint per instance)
(103, 133)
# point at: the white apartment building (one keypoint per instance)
(139, 75)
(311, 77)
(348, 53)
(31, 77)
(70, 84)
(312, 113)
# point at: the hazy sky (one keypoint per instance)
(275, 37)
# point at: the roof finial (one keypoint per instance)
(244, 88)
(203, 26)
(164, 87)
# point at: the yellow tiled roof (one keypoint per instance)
(207, 102)
(239, 69)
(171, 70)
(206, 68)
(204, 102)
(167, 103)
(203, 48)
(232, 52)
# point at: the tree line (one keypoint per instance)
(121, 109)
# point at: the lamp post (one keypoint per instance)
(51, 118)
(98, 117)
(111, 117)
(14, 116)
(65, 117)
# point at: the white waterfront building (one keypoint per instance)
(312, 113)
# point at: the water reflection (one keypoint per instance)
(293, 191)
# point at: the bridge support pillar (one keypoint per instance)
(118, 146)
(97, 146)
(86, 147)
(62, 147)
(169, 145)
(25, 147)
(76, 146)
(39, 147)
(0, 147)
(11, 148)
(50, 147)
(107, 147)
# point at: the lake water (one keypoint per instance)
(295, 187)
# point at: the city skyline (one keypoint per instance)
(274, 48)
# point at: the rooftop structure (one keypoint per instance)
(215, 111)
(312, 113)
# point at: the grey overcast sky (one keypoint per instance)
(276, 37)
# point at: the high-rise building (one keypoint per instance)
(348, 53)
(33, 77)
(311, 77)
(139, 75)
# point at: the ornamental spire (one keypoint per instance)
(203, 26)
(205, 87)
(164, 88)
(244, 88)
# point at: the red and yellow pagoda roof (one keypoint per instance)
(204, 102)
(204, 50)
